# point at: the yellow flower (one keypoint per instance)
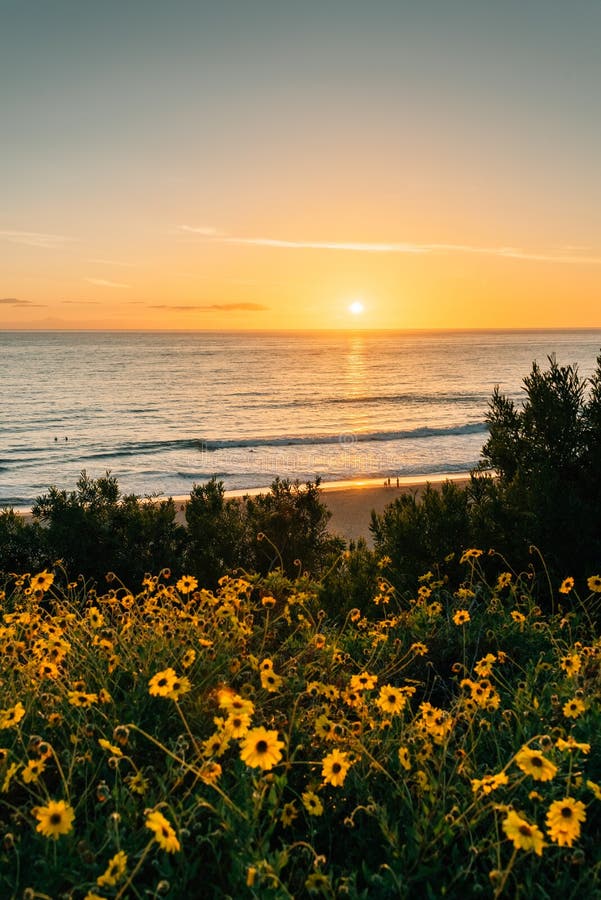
(110, 748)
(12, 716)
(571, 744)
(289, 814)
(95, 617)
(188, 658)
(594, 787)
(33, 770)
(270, 681)
(334, 768)
(179, 687)
(524, 835)
(233, 702)
(312, 803)
(187, 584)
(54, 819)
(504, 580)
(114, 871)
(82, 699)
(483, 667)
(137, 783)
(566, 585)
(268, 602)
(517, 616)
(161, 684)
(470, 554)
(563, 821)
(573, 708)
(404, 758)
(363, 682)
(461, 617)
(533, 763)
(391, 700)
(571, 664)
(594, 584)
(261, 748)
(418, 649)
(164, 833)
(210, 772)
(42, 581)
(489, 783)
(237, 724)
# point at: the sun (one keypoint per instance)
(356, 308)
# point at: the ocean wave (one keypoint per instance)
(346, 439)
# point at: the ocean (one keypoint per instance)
(165, 410)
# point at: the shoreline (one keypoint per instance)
(350, 502)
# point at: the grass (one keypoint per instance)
(167, 741)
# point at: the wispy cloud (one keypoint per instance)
(13, 301)
(405, 247)
(222, 307)
(35, 239)
(83, 302)
(202, 230)
(113, 262)
(103, 282)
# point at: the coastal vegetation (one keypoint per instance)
(168, 736)
(242, 706)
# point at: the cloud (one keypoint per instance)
(82, 302)
(222, 307)
(204, 231)
(35, 238)
(13, 301)
(406, 247)
(102, 282)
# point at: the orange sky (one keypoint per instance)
(200, 169)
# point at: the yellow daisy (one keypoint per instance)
(161, 684)
(334, 768)
(533, 763)
(114, 871)
(164, 833)
(523, 835)
(312, 803)
(391, 700)
(54, 819)
(261, 748)
(594, 584)
(563, 821)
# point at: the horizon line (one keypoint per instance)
(329, 330)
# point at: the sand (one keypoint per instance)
(350, 502)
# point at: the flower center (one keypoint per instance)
(261, 747)
(525, 830)
(55, 819)
(336, 768)
(566, 812)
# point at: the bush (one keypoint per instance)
(548, 457)
(95, 528)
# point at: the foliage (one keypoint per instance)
(547, 455)
(155, 738)
(417, 528)
(95, 528)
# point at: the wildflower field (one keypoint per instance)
(162, 740)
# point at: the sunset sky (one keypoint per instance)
(264, 165)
